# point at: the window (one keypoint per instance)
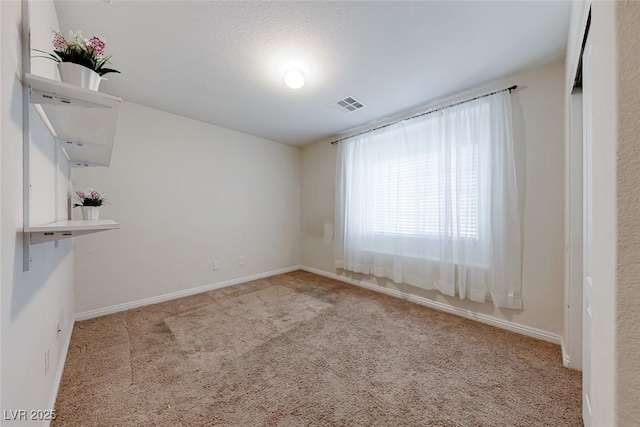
(407, 195)
(432, 202)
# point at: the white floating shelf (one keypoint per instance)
(66, 229)
(85, 120)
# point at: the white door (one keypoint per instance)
(587, 234)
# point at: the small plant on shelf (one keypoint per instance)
(90, 197)
(79, 50)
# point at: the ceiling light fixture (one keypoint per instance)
(294, 79)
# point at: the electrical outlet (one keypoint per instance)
(46, 362)
(216, 264)
(241, 260)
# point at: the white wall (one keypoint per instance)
(538, 131)
(31, 302)
(628, 206)
(186, 193)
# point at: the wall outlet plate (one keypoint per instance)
(216, 264)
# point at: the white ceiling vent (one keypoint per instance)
(348, 104)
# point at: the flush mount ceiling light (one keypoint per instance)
(294, 79)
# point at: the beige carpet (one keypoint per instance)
(302, 350)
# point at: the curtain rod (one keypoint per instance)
(425, 113)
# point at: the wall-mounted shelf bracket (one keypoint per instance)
(84, 121)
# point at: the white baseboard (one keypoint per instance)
(179, 294)
(500, 323)
(489, 320)
(566, 358)
(60, 370)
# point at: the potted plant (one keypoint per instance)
(90, 202)
(80, 61)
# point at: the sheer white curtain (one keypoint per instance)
(432, 202)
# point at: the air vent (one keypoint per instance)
(348, 104)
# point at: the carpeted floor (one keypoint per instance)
(302, 350)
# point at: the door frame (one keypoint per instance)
(572, 356)
(572, 345)
(575, 354)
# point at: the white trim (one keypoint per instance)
(179, 294)
(59, 370)
(574, 257)
(566, 357)
(500, 323)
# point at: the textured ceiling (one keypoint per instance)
(223, 62)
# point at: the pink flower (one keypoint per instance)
(80, 194)
(96, 45)
(95, 195)
(59, 42)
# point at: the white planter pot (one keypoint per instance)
(90, 212)
(79, 75)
